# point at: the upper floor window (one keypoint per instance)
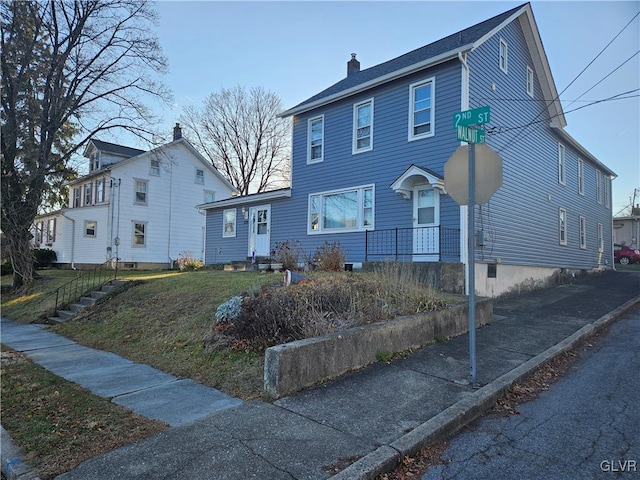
(139, 234)
(141, 192)
(599, 186)
(87, 193)
(581, 176)
(100, 190)
(51, 230)
(90, 228)
(154, 167)
(562, 224)
(94, 161)
(421, 109)
(315, 135)
(39, 227)
(77, 195)
(530, 82)
(504, 54)
(344, 210)
(605, 181)
(363, 126)
(562, 177)
(199, 176)
(209, 196)
(229, 223)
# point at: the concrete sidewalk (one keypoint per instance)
(358, 425)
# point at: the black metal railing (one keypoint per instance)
(85, 282)
(406, 244)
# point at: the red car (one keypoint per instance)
(625, 255)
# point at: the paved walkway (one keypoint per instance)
(361, 423)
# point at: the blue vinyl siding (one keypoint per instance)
(522, 217)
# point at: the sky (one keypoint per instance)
(296, 49)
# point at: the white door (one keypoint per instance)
(426, 223)
(259, 231)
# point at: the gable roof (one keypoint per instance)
(440, 51)
(114, 148)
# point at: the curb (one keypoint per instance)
(13, 468)
(460, 414)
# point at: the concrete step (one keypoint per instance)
(77, 307)
(98, 295)
(66, 314)
(55, 320)
(118, 283)
(107, 288)
(87, 301)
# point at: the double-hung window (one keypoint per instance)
(77, 195)
(562, 224)
(154, 167)
(583, 232)
(90, 228)
(504, 56)
(229, 223)
(581, 176)
(142, 187)
(87, 193)
(199, 176)
(363, 126)
(562, 175)
(315, 135)
(39, 227)
(599, 186)
(347, 210)
(51, 230)
(600, 238)
(529, 82)
(421, 117)
(605, 181)
(100, 190)
(139, 234)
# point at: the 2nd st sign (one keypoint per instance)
(476, 116)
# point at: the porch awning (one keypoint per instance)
(415, 175)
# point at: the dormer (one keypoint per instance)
(101, 154)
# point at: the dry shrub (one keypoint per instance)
(330, 257)
(329, 303)
(288, 253)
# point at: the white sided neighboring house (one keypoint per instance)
(135, 205)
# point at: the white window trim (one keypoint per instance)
(89, 191)
(605, 181)
(199, 180)
(206, 193)
(360, 217)
(562, 229)
(309, 122)
(412, 87)
(582, 225)
(135, 192)
(152, 170)
(224, 223)
(600, 238)
(530, 87)
(562, 164)
(506, 56)
(95, 229)
(133, 234)
(581, 176)
(354, 147)
(599, 186)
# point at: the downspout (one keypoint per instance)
(73, 239)
(464, 210)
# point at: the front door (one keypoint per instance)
(426, 224)
(259, 231)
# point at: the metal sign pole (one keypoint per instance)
(472, 262)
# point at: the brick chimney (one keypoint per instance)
(177, 132)
(353, 65)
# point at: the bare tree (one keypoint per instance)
(243, 137)
(70, 69)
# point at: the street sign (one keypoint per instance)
(488, 174)
(476, 116)
(470, 134)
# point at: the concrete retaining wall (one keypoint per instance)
(290, 367)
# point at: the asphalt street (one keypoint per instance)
(586, 426)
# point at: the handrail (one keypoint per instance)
(406, 244)
(75, 289)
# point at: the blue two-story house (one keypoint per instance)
(368, 156)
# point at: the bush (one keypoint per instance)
(6, 269)
(44, 257)
(329, 257)
(230, 310)
(288, 253)
(187, 262)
